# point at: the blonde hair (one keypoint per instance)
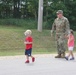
(28, 32)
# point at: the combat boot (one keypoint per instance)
(63, 55)
(58, 56)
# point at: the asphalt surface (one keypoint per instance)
(44, 65)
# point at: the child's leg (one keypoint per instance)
(70, 49)
(30, 52)
(72, 54)
(27, 57)
(69, 53)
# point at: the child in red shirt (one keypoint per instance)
(28, 45)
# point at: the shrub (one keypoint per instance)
(25, 23)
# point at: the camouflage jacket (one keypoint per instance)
(61, 25)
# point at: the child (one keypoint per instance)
(70, 43)
(28, 45)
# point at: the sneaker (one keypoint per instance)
(66, 58)
(27, 61)
(72, 58)
(33, 59)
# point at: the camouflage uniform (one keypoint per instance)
(61, 26)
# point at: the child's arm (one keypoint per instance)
(71, 38)
(27, 42)
(67, 36)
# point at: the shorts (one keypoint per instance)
(28, 52)
(70, 48)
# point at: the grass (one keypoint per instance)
(12, 41)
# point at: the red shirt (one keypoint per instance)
(28, 39)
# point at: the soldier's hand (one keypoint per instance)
(51, 33)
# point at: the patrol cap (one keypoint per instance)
(59, 12)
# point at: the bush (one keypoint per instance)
(25, 23)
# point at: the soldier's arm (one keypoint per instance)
(67, 26)
(53, 28)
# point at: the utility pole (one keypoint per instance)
(40, 15)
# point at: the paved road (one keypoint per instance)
(44, 65)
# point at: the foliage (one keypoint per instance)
(29, 9)
(68, 6)
(25, 23)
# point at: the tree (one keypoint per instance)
(33, 8)
(71, 6)
(5, 8)
(16, 11)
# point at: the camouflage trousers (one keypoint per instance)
(60, 38)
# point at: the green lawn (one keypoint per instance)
(12, 41)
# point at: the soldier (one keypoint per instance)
(61, 26)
